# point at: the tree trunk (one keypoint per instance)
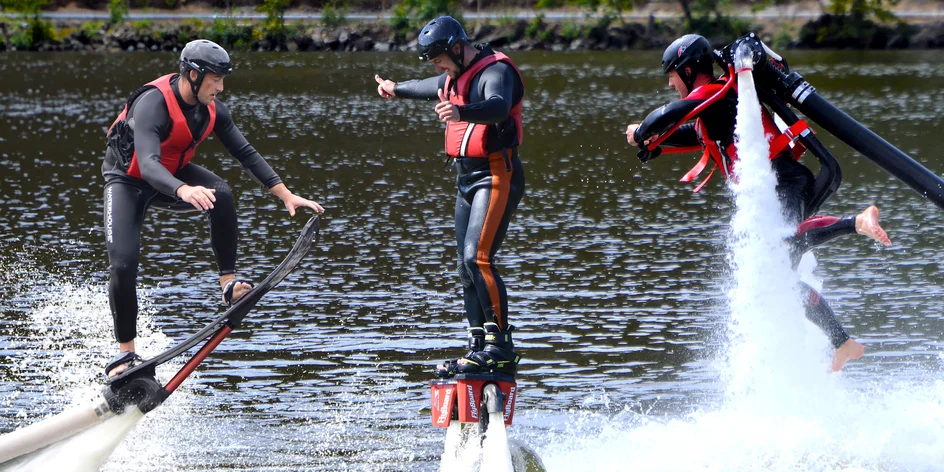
(687, 10)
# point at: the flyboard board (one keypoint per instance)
(478, 408)
(137, 385)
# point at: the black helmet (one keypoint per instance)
(203, 56)
(692, 51)
(438, 37)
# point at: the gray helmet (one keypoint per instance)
(203, 56)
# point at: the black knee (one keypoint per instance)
(223, 194)
(465, 273)
(124, 270)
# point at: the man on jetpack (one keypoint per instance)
(148, 164)
(712, 103)
(480, 93)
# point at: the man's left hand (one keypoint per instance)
(445, 109)
(294, 201)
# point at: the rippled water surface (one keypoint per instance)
(616, 271)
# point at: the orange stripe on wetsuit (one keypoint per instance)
(501, 187)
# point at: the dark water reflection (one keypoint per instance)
(614, 268)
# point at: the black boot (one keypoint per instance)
(499, 354)
(476, 344)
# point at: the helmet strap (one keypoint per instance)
(688, 80)
(458, 58)
(195, 84)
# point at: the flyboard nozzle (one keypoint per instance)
(747, 53)
(743, 58)
(140, 389)
(494, 398)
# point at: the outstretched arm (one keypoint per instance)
(426, 88)
(663, 118)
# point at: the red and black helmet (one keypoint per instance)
(691, 51)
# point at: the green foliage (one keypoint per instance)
(29, 7)
(142, 25)
(610, 10)
(33, 33)
(425, 10)
(117, 9)
(275, 17)
(37, 30)
(21, 41)
(862, 9)
(707, 18)
(400, 20)
(333, 13)
(410, 15)
(228, 33)
(93, 29)
(505, 21)
(782, 40)
(535, 27)
(571, 30)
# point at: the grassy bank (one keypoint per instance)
(603, 27)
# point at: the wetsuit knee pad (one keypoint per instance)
(465, 275)
(125, 268)
(222, 190)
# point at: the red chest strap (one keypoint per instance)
(790, 135)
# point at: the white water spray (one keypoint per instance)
(767, 354)
(783, 411)
(70, 338)
(495, 454)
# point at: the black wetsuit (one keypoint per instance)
(488, 190)
(128, 198)
(794, 185)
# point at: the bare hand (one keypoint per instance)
(630, 134)
(386, 88)
(201, 198)
(445, 109)
(294, 201)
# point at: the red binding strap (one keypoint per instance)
(788, 136)
(700, 166)
(732, 78)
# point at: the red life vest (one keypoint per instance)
(464, 139)
(724, 159)
(178, 149)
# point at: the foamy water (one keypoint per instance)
(782, 410)
(74, 324)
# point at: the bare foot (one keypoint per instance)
(126, 357)
(866, 224)
(117, 370)
(851, 349)
(239, 288)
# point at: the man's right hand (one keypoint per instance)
(630, 134)
(386, 88)
(201, 198)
